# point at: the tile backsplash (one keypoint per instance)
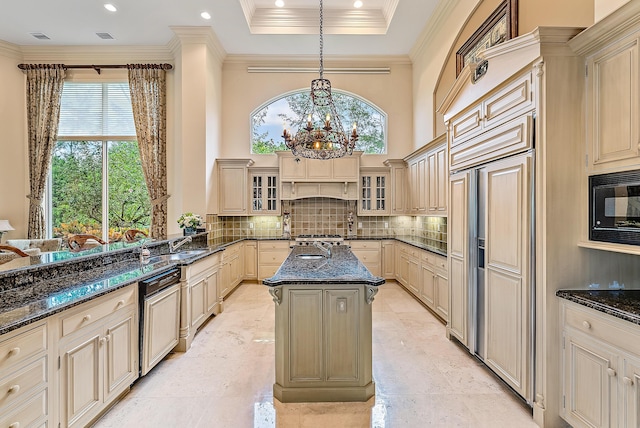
(326, 216)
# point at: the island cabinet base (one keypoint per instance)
(323, 342)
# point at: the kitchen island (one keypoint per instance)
(323, 326)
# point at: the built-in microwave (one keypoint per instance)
(614, 207)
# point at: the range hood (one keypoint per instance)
(291, 190)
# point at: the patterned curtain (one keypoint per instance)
(44, 91)
(148, 94)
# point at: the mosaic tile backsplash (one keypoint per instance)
(326, 216)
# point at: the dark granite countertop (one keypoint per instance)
(623, 304)
(343, 267)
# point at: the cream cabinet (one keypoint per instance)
(98, 354)
(397, 196)
(298, 169)
(408, 267)
(233, 186)
(232, 270)
(25, 398)
(434, 290)
(264, 192)
(612, 91)
(418, 184)
(271, 255)
(199, 297)
(601, 366)
(437, 179)
(250, 260)
(369, 253)
(373, 189)
(388, 259)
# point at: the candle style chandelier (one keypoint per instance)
(328, 140)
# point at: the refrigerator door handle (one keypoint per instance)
(481, 246)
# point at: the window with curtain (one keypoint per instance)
(97, 183)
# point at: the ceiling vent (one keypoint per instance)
(105, 36)
(40, 36)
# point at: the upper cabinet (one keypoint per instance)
(428, 178)
(233, 186)
(298, 169)
(610, 48)
(374, 191)
(264, 192)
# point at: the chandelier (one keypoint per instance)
(323, 137)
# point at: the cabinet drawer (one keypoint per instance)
(91, 312)
(618, 333)
(203, 266)
(365, 245)
(32, 411)
(23, 382)
(274, 257)
(514, 98)
(267, 271)
(23, 345)
(276, 245)
(466, 125)
(368, 256)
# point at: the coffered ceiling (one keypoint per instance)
(244, 27)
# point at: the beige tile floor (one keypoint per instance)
(226, 378)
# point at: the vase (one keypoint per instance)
(189, 231)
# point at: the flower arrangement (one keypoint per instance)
(190, 220)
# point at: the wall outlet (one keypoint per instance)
(359, 225)
(278, 225)
(386, 225)
(250, 225)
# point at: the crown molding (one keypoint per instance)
(198, 35)
(311, 61)
(9, 50)
(433, 26)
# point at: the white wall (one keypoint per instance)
(14, 171)
(243, 92)
(605, 7)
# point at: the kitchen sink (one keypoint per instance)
(178, 256)
(310, 256)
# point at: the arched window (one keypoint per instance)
(290, 110)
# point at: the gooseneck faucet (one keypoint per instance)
(174, 245)
(321, 245)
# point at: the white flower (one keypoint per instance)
(190, 220)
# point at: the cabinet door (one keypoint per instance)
(442, 178)
(388, 260)
(232, 188)
(428, 289)
(264, 194)
(414, 186)
(413, 279)
(589, 383)
(198, 299)
(251, 260)
(442, 297)
(507, 289)
(212, 293)
(121, 363)
(458, 229)
(81, 378)
(306, 352)
(612, 106)
(630, 392)
(398, 195)
(422, 186)
(342, 314)
(161, 326)
(292, 168)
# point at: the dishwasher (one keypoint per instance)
(159, 317)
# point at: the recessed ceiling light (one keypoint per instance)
(280, 3)
(205, 15)
(110, 7)
(357, 4)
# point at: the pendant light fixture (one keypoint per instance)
(323, 136)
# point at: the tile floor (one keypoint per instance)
(226, 378)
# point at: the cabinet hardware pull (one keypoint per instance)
(627, 381)
(104, 340)
(120, 303)
(14, 351)
(586, 324)
(15, 425)
(14, 389)
(86, 318)
(611, 372)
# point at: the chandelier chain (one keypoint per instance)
(321, 42)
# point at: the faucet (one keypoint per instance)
(321, 245)
(174, 245)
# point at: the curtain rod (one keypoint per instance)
(97, 68)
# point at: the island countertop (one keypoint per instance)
(342, 267)
(623, 304)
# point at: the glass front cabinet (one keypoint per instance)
(373, 191)
(263, 192)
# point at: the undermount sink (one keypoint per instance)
(310, 256)
(178, 256)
